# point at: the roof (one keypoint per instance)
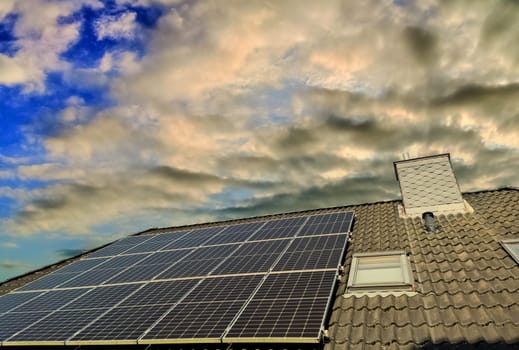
(466, 284)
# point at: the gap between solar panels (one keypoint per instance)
(270, 281)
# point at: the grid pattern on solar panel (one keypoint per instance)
(52, 300)
(327, 223)
(58, 326)
(92, 278)
(309, 260)
(296, 285)
(287, 305)
(138, 273)
(190, 268)
(282, 318)
(82, 265)
(246, 264)
(49, 281)
(14, 322)
(122, 323)
(336, 241)
(235, 233)
(157, 242)
(10, 301)
(224, 289)
(102, 297)
(119, 246)
(149, 266)
(213, 252)
(267, 247)
(204, 309)
(279, 228)
(195, 320)
(195, 238)
(155, 293)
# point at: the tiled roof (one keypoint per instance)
(466, 285)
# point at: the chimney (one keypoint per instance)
(428, 184)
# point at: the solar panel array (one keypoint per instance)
(268, 281)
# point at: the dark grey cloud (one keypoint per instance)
(422, 44)
(68, 253)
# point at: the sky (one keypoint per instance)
(118, 116)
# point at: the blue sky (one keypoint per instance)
(117, 116)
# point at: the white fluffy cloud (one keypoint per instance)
(117, 27)
(40, 38)
(301, 104)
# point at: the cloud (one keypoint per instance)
(12, 265)
(9, 245)
(41, 38)
(116, 27)
(288, 106)
(68, 253)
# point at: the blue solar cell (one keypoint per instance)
(310, 260)
(122, 323)
(13, 322)
(11, 301)
(190, 268)
(52, 300)
(235, 233)
(49, 281)
(196, 320)
(279, 229)
(58, 326)
(246, 264)
(337, 241)
(82, 265)
(102, 297)
(154, 293)
(91, 278)
(327, 223)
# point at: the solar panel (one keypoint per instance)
(225, 288)
(287, 307)
(235, 233)
(57, 326)
(168, 292)
(82, 265)
(51, 300)
(190, 268)
(246, 264)
(336, 241)
(11, 301)
(189, 321)
(103, 296)
(279, 228)
(157, 242)
(119, 246)
(13, 322)
(254, 282)
(327, 223)
(121, 323)
(309, 260)
(49, 281)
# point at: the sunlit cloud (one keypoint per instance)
(252, 108)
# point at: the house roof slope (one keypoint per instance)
(466, 285)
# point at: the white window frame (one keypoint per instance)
(406, 285)
(506, 243)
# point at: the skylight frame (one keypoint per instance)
(407, 283)
(507, 243)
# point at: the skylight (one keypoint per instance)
(512, 247)
(380, 271)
